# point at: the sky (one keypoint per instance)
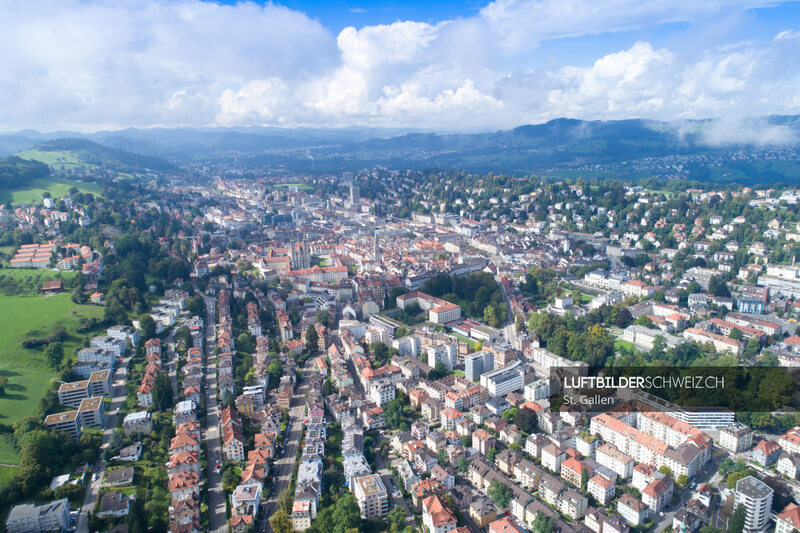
(88, 65)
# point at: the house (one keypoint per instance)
(436, 516)
(505, 525)
(789, 464)
(766, 452)
(444, 477)
(131, 453)
(552, 457)
(658, 493)
(601, 488)
(137, 422)
(119, 477)
(246, 499)
(482, 511)
(632, 510)
(788, 520)
(241, 523)
(114, 504)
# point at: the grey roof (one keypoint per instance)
(752, 487)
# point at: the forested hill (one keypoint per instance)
(15, 171)
(104, 156)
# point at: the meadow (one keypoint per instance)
(33, 191)
(28, 375)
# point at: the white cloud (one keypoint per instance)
(85, 64)
(788, 35)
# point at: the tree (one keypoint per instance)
(718, 287)
(751, 348)
(3, 384)
(541, 524)
(280, 522)
(624, 318)
(148, 327)
(441, 457)
(584, 479)
(312, 339)
(736, 523)
(736, 334)
(347, 514)
(682, 480)
(665, 470)
(397, 518)
(500, 494)
(525, 419)
(438, 372)
(54, 354)
(393, 414)
(463, 465)
(492, 454)
(285, 499)
(162, 392)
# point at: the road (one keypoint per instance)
(118, 395)
(218, 516)
(283, 466)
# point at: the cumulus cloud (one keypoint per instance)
(91, 64)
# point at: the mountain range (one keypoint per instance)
(560, 146)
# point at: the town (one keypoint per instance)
(291, 354)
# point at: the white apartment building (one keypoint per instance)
(756, 497)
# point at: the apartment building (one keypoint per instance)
(372, 498)
(737, 438)
(756, 497)
(72, 394)
(68, 422)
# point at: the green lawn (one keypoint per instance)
(57, 187)
(621, 343)
(28, 375)
(6, 473)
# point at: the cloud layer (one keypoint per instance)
(78, 64)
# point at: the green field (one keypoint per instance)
(57, 187)
(28, 375)
(14, 281)
(59, 160)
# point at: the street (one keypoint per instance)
(284, 464)
(218, 517)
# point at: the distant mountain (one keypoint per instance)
(558, 147)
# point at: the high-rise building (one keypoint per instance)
(355, 194)
(476, 363)
(756, 497)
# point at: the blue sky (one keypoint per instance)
(435, 65)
